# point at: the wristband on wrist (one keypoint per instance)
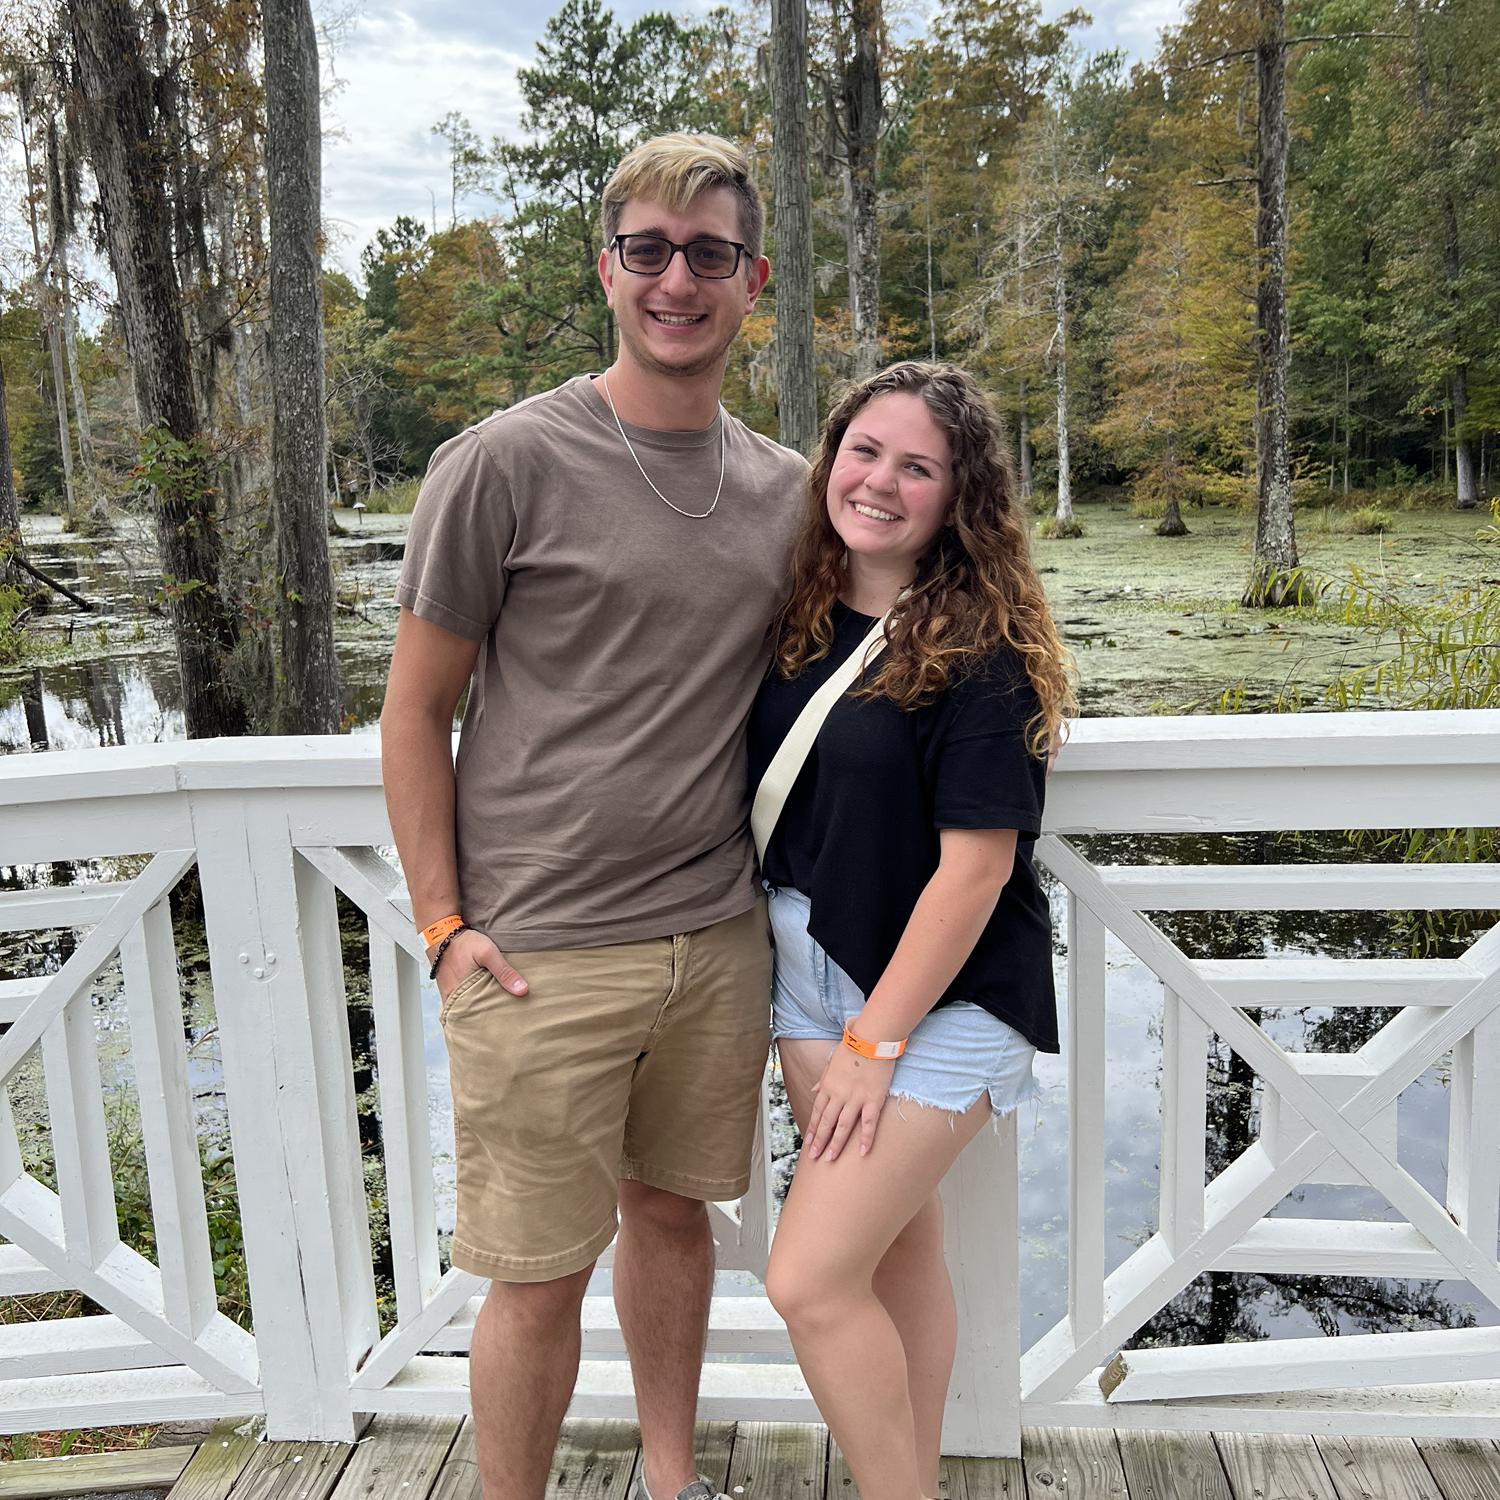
(440, 929)
(877, 1051)
(442, 947)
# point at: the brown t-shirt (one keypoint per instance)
(601, 766)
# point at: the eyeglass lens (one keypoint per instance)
(647, 254)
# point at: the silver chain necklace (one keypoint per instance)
(692, 515)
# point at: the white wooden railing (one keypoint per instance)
(276, 827)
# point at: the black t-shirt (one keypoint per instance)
(859, 833)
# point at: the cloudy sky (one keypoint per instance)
(399, 68)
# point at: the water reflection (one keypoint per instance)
(103, 701)
(114, 677)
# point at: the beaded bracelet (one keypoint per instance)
(437, 957)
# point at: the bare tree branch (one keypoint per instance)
(26, 567)
(1295, 41)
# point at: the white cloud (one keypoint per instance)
(1134, 25)
(397, 78)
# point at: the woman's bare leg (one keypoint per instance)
(913, 1285)
(841, 1221)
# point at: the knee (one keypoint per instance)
(536, 1308)
(805, 1292)
(660, 1212)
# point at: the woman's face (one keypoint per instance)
(890, 490)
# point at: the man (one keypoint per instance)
(602, 560)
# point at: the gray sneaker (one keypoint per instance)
(699, 1489)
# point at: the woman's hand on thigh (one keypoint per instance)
(849, 1097)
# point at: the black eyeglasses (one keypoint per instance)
(651, 254)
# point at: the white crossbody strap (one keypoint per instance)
(791, 755)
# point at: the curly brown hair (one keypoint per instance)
(975, 589)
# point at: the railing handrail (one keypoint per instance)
(1224, 742)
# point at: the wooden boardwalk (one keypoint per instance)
(432, 1458)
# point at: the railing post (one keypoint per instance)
(981, 1238)
(279, 997)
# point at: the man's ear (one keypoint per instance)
(606, 276)
(760, 274)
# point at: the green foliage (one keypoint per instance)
(1445, 653)
(394, 500)
(1491, 533)
(12, 633)
(172, 472)
(1444, 658)
(1371, 521)
(1054, 530)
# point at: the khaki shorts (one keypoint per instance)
(637, 1060)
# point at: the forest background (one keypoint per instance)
(1260, 266)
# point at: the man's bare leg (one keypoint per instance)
(523, 1365)
(663, 1279)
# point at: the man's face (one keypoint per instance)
(675, 323)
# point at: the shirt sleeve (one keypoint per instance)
(454, 572)
(983, 775)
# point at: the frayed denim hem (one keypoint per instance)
(999, 1108)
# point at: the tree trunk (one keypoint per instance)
(1171, 523)
(1275, 577)
(931, 305)
(862, 113)
(1346, 427)
(1442, 146)
(307, 696)
(34, 704)
(47, 310)
(10, 509)
(117, 109)
(52, 323)
(1023, 425)
(796, 373)
(59, 230)
(1463, 451)
(1060, 307)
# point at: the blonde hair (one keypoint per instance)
(673, 170)
(976, 589)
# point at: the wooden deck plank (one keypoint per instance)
(594, 1461)
(94, 1473)
(778, 1460)
(952, 1481)
(293, 1471)
(713, 1444)
(399, 1457)
(1464, 1468)
(219, 1461)
(1172, 1466)
(1274, 1467)
(1366, 1468)
(989, 1478)
(600, 1456)
(458, 1479)
(1080, 1463)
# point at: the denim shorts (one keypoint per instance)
(956, 1053)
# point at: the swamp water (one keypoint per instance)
(1146, 640)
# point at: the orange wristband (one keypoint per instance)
(877, 1051)
(431, 936)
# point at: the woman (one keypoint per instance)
(906, 913)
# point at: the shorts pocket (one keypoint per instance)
(459, 990)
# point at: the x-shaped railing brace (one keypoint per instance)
(1061, 1358)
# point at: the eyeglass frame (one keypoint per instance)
(743, 252)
